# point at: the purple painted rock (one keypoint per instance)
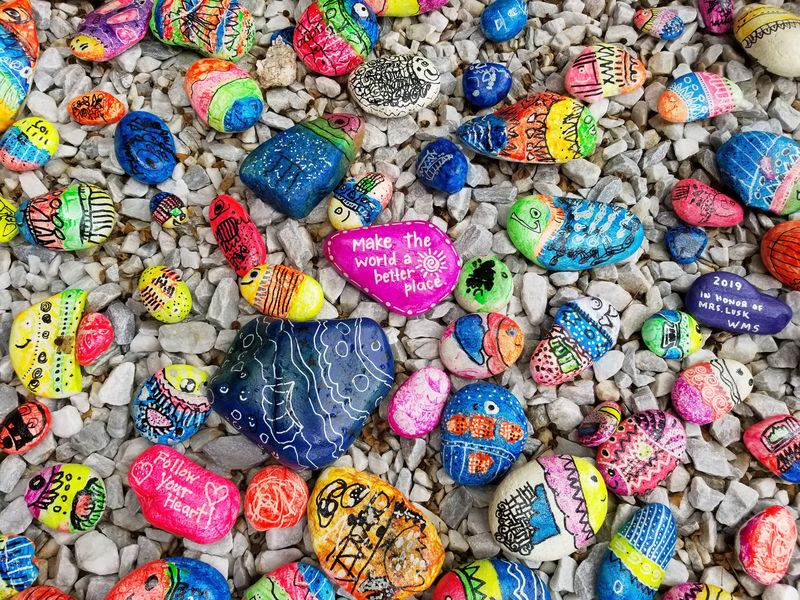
(599, 424)
(717, 15)
(417, 405)
(701, 205)
(408, 266)
(478, 346)
(111, 29)
(697, 591)
(726, 301)
(775, 442)
(707, 390)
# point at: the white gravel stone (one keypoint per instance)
(118, 387)
(96, 554)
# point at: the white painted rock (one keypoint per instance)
(771, 35)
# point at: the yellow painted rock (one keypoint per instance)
(282, 292)
(8, 223)
(164, 294)
(368, 536)
(42, 345)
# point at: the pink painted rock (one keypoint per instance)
(181, 497)
(95, 334)
(775, 442)
(717, 15)
(416, 407)
(599, 424)
(701, 205)
(478, 346)
(408, 266)
(709, 389)
(765, 544)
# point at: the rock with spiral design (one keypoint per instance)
(764, 545)
(275, 497)
(709, 389)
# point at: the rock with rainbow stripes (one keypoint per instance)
(19, 51)
(295, 581)
(491, 579)
(603, 71)
(699, 95)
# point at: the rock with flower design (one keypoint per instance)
(479, 346)
(604, 71)
(709, 389)
(662, 23)
(699, 95)
(765, 544)
(111, 29)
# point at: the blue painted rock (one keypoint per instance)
(726, 301)
(66, 497)
(542, 128)
(697, 591)
(572, 234)
(775, 442)
(295, 581)
(358, 202)
(486, 84)
(173, 578)
(24, 427)
(662, 23)
(18, 564)
(479, 346)
(145, 148)
(700, 204)
(583, 331)
(483, 431)
(491, 579)
(771, 35)
(19, 51)
(29, 144)
(697, 96)
(599, 424)
(603, 71)
(633, 567)
(685, 243)
(111, 29)
(295, 169)
(709, 389)
(325, 379)
(168, 210)
(672, 334)
(763, 169)
(549, 508)
(503, 20)
(395, 86)
(442, 166)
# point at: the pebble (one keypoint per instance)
(701, 205)
(486, 84)
(97, 553)
(737, 504)
(164, 294)
(168, 210)
(661, 23)
(395, 86)
(278, 68)
(416, 406)
(276, 497)
(66, 497)
(158, 580)
(604, 71)
(775, 442)
(717, 16)
(685, 243)
(503, 20)
(485, 284)
(672, 334)
(357, 202)
(699, 95)
(707, 390)
(24, 427)
(442, 166)
(19, 54)
(764, 545)
(479, 346)
(94, 337)
(28, 144)
(18, 565)
(599, 424)
(145, 147)
(769, 34)
(111, 29)
(491, 579)
(780, 253)
(192, 337)
(293, 581)
(96, 108)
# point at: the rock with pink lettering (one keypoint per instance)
(181, 497)
(416, 407)
(409, 267)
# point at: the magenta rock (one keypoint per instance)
(717, 15)
(707, 390)
(416, 407)
(701, 205)
(181, 497)
(409, 267)
(765, 544)
(599, 424)
(95, 334)
(478, 346)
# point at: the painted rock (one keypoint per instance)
(775, 442)
(672, 334)
(333, 37)
(417, 405)
(709, 389)
(633, 567)
(276, 497)
(771, 35)
(42, 345)
(572, 234)
(662, 23)
(171, 405)
(726, 301)
(326, 378)
(491, 579)
(8, 222)
(698, 95)
(295, 581)
(503, 20)
(763, 169)
(43, 592)
(174, 578)
(485, 284)
(548, 508)
(780, 253)
(95, 334)
(145, 148)
(181, 497)
(66, 497)
(18, 565)
(282, 292)
(701, 205)
(395, 86)
(583, 331)
(486, 84)
(358, 202)
(295, 169)
(765, 544)
(20, 51)
(478, 346)
(442, 166)
(223, 96)
(164, 294)
(642, 452)
(697, 591)
(237, 235)
(604, 71)
(76, 217)
(408, 267)
(168, 210)
(24, 427)
(215, 28)
(599, 424)
(543, 128)
(111, 29)
(685, 243)
(717, 16)
(404, 8)
(483, 431)
(28, 145)
(96, 108)
(405, 554)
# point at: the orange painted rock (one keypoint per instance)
(276, 497)
(96, 108)
(780, 252)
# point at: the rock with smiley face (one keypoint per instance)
(177, 578)
(24, 427)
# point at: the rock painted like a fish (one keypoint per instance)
(111, 29)
(699, 95)
(662, 23)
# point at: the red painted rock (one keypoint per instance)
(765, 544)
(701, 205)
(276, 497)
(24, 427)
(775, 442)
(43, 592)
(780, 252)
(237, 234)
(95, 334)
(96, 108)
(417, 405)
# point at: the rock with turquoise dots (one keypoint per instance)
(685, 243)
(442, 166)
(486, 84)
(485, 284)
(672, 334)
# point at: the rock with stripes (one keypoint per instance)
(237, 235)
(111, 29)
(697, 591)
(295, 581)
(164, 294)
(168, 210)
(19, 52)
(43, 592)
(780, 253)
(699, 95)
(18, 565)
(282, 292)
(491, 579)
(770, 35)
(662, 23)
(775, 442)
(603, 71)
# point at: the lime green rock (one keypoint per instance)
(484, 285)
(672, 334)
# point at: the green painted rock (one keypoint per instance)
(672, 334)
(485, 285)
